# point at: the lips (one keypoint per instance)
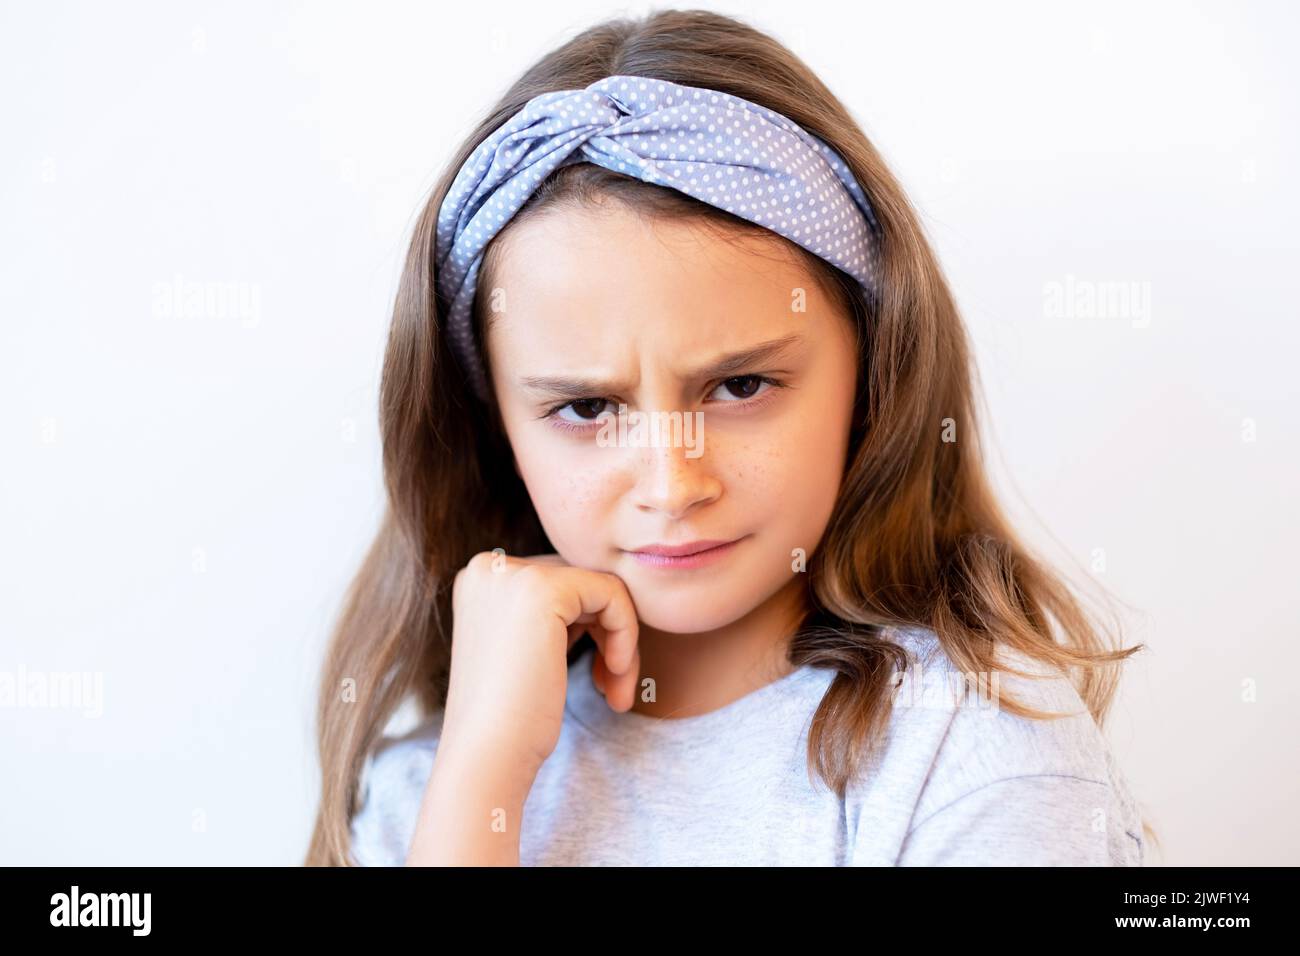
(695, 554)
(681, 550)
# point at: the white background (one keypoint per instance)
(185, 497)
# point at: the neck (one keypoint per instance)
(697, 673)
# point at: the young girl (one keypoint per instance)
(799, 630)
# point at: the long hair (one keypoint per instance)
(916, 537)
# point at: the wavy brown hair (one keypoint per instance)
(915, 539)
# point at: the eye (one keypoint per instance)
(587, 410)
(743, 388)
(743, 391)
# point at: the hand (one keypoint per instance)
(515, 620)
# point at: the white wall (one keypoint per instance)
(186, 495)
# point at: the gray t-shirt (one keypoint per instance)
(960, 781)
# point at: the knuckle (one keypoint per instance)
(472, 572)
(480, 563)
(533, 582)
(529, 576)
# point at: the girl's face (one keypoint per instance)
(593, 308)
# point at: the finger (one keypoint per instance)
(585, 624)
(614, 629)
(621, 689)
(552, 559)
(606, 596)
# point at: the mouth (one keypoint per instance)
(695, 554)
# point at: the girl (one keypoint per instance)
(799, 630)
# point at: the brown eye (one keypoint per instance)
(743, 386)
(746, 391)
(584, 405)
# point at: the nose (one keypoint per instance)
(672, 482)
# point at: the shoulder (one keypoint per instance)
(992, 764)
(393, 781)
(981, 732)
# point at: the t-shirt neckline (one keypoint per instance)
(588, 706)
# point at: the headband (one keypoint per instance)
(720, 149)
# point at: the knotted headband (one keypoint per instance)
(720, 149)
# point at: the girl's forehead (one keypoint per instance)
(609, 293)
(573, 248)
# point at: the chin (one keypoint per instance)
(674, 612)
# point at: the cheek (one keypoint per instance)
(760, 473)
(570, 499)
(788, 481)
(802, 460)
(577, 494)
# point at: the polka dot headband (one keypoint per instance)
(720, 149)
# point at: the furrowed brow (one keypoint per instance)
(729, 364)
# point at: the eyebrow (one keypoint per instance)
(726, 365)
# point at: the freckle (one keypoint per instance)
(581, 494)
